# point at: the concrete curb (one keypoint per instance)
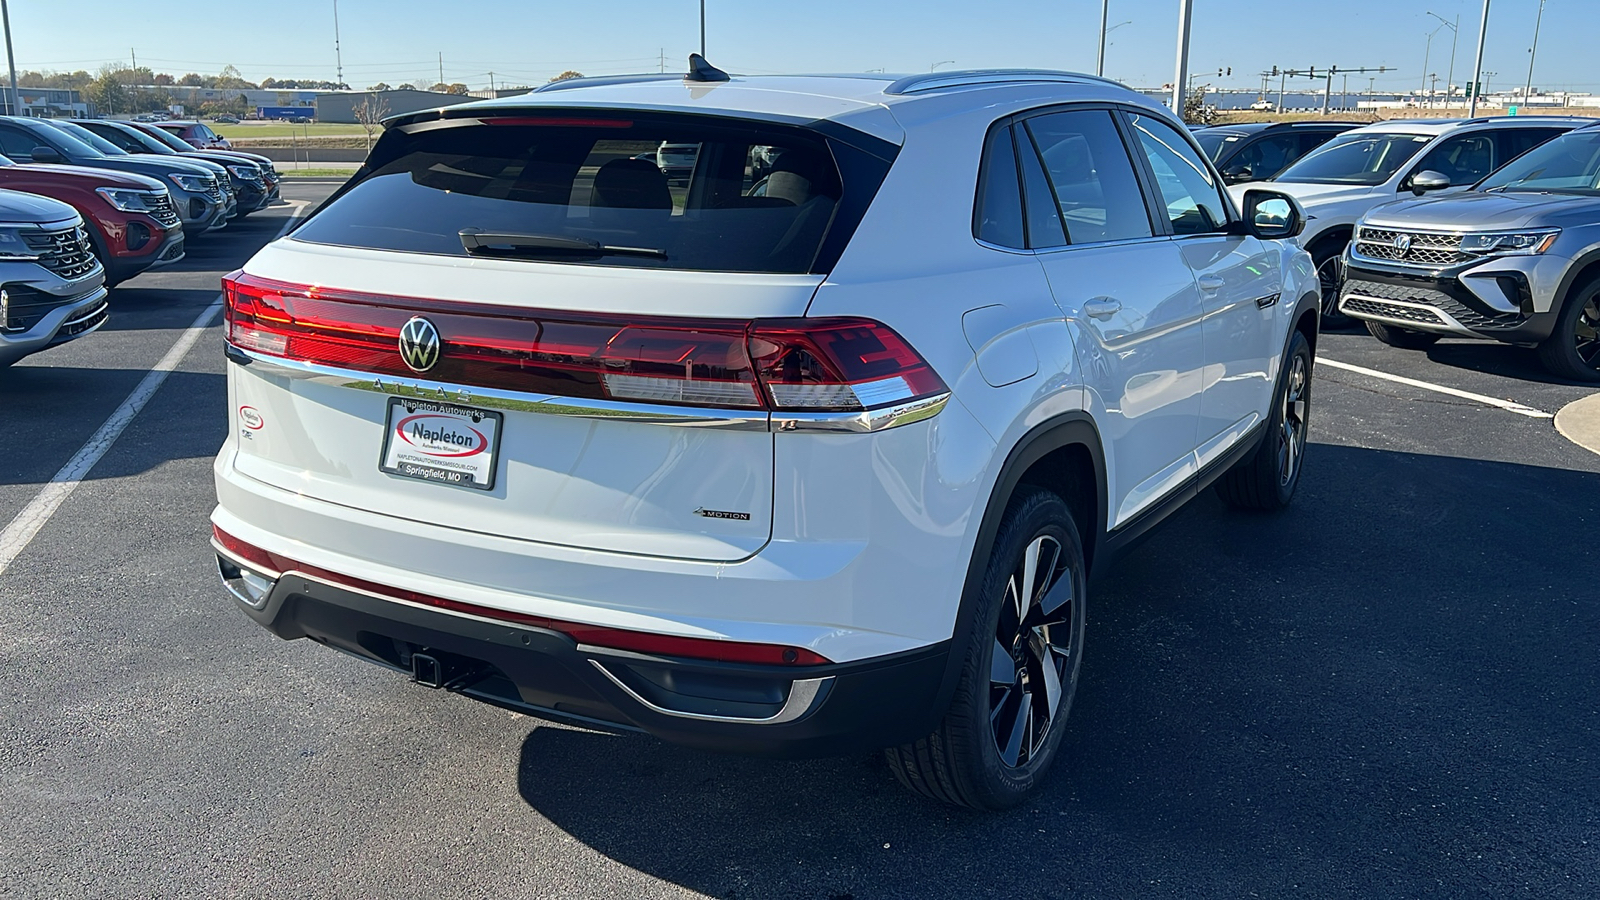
(1579, 422)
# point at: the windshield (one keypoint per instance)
(1365, 158)
(64, 141)
(1570, 164)
(165, 137)
(132, 137)
(658, 191)
(1213, 142)
(105, 147)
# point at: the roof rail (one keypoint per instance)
(933, 81)
(596, 80)
(1501, 118)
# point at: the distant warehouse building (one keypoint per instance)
(342, 105)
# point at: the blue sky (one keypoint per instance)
(527, 42)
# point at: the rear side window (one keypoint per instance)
(645, 191)
(997, 215)
(1465, 159)
(1096, 192)
(1513, 142)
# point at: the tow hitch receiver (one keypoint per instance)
(426, 670)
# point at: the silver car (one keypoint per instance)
(1515, 259)
(53, 287)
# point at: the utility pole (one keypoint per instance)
(1327, 90)
(441, 67)
(1477, 66)
(1344, 92)
(492, 93)
(1180, 78)
(338, 57)
(1450, 73)
(1281, 76)
(1100, 58)
(15, 106)
(663, 61)
(1426, 50)
(1527, 91)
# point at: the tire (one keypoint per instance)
(990, 751)
(1266, 479)
(1403, 338)
(1573, 349)
(1329, 260)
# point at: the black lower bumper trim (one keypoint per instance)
(753, 709)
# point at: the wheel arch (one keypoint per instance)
(1585, 269)
(1058, 455)
(1335, 234)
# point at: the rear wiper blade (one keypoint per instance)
(492, 243)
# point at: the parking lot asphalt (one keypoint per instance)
(1387, 691)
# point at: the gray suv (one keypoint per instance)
(52, 289)
(1516, 259)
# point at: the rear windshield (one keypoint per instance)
(1364, 158)
(1214, 142)
(659, 191)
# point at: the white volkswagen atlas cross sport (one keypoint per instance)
(809, 453)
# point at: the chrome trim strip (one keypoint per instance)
(1450, 326)
(857, 422)
(802, 697)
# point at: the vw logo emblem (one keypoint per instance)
(1402, 242)
(419, 344)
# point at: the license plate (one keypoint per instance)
(440, 442)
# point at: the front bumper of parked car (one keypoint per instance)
(1502, 298)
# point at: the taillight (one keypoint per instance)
(792, 365)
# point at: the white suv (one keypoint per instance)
(801, 471)
(1362, 168)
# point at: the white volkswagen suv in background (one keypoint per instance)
(806, 470)
(1380, 163)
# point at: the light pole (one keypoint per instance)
(1426, 50)
(15, 106)
(1477, 65)
(1450, 73)
(1099, 68)
(1100, 58)
(702, 28)
(1527, 91)
(1180, 78)
(943, 62)
(338, 58)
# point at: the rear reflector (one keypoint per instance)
(594, 635)
(790, 365)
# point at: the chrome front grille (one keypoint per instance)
(162, 210)
(67, 251)
(1422, 249)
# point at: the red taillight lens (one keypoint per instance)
(822, 365)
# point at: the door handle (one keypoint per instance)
(1102, 307)
(1211, 283)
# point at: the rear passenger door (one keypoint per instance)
(1464, 159)
(1127, 294)
(1237, 280)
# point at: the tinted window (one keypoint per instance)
(1096, 192)
(1188, 191)
(580, 191)
(112, 134)
(1464, 159)
(1567, 165)
(16, 143)
(1267, 156)
(1038, 199)
(997, 215)
(1356, 158)
(1513, 142)
(88, 137)
(1215, 143)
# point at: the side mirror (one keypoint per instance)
(1236, 174)
(1271, 215)
(45, 155)
(1429, 180)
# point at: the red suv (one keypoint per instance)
(132, 223)
(196, 134)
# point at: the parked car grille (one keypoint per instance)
(1371, 291)
(162, 210)
(1410, 248)
(215, 192)
(67, 252)
(26, 306)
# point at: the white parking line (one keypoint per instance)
(1507, 405)
(20, 532)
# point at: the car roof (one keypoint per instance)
(1442, 126)
(869, 102)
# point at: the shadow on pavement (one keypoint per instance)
(132, 307)
(1521, 363)
(1388, 690)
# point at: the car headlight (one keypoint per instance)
(1509, 243)
(130, 201)
(12, 246)
(245, 172)
(194, 184)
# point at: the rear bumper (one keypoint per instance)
(793, 710)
